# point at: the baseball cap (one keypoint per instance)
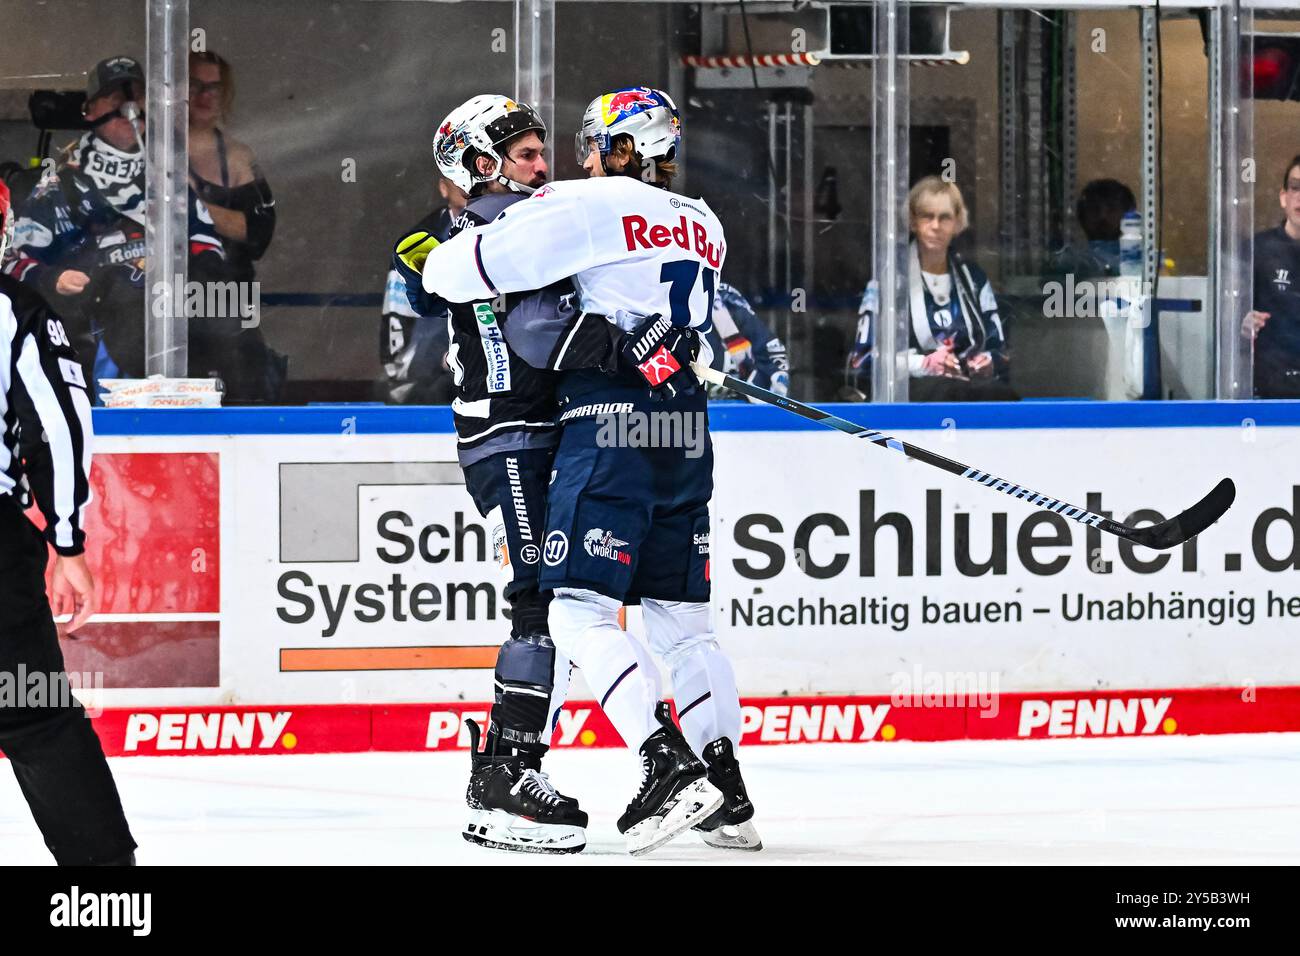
(115, 71)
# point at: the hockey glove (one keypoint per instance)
(408, 259)
(661, 354)
(740, 352)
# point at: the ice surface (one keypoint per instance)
(1210, 799)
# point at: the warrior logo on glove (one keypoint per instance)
(649, 337)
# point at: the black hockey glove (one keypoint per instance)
(661, 353)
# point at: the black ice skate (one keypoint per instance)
(675, 792)
(514, 807)
(729, 827)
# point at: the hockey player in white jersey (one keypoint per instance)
(628, 524)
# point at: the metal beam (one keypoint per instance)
(1069, 125)
(1009, 140)
(535, 63)
(166, 329)
(1150, 131)
(1231, 203)
(890, 111)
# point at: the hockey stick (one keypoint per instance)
(1167, 534)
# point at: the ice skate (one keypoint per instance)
(513, 806)
(675, 793)
(730, 827)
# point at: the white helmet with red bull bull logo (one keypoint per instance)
(480, 127)
(648, 115)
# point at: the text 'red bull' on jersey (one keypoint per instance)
(688, 234)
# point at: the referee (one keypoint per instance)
(45, 453)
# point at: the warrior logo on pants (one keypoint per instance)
(557, 548)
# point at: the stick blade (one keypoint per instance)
(1185, 526)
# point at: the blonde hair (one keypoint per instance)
(929, 186)
(227, 77)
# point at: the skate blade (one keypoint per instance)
(741, 836)
(498, 830)
(693, 803)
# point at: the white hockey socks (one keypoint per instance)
(617, 668)
(704, 685)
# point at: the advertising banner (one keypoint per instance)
(352, 570)
(153, 540)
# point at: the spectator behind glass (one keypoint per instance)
(413, 345)
(1274, 323)
(1100, 210)
(225, 174)
(80, 236)
(957, 349)
(744, 346)
(224, 171)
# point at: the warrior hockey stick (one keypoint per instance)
(1166, 534)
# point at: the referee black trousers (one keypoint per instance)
(46, 735)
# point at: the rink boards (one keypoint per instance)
(349, 728)
(327, 564)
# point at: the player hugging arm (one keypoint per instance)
(413, 338)
(627, 519)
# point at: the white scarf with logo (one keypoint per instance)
(118, 175)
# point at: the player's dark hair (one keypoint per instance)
(1286, 173)
(503, 149)
(1098, 198)
(479, 187)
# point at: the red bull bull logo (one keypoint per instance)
(628, 101)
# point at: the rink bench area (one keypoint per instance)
(367, 418)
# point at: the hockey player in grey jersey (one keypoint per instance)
(491, 147)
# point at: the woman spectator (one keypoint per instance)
(225, 175)
(957, 348)
(224, 171)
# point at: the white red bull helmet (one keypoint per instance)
(648, 115)
(6, 219)
(478, 127)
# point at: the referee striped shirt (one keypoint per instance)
(46, 415)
